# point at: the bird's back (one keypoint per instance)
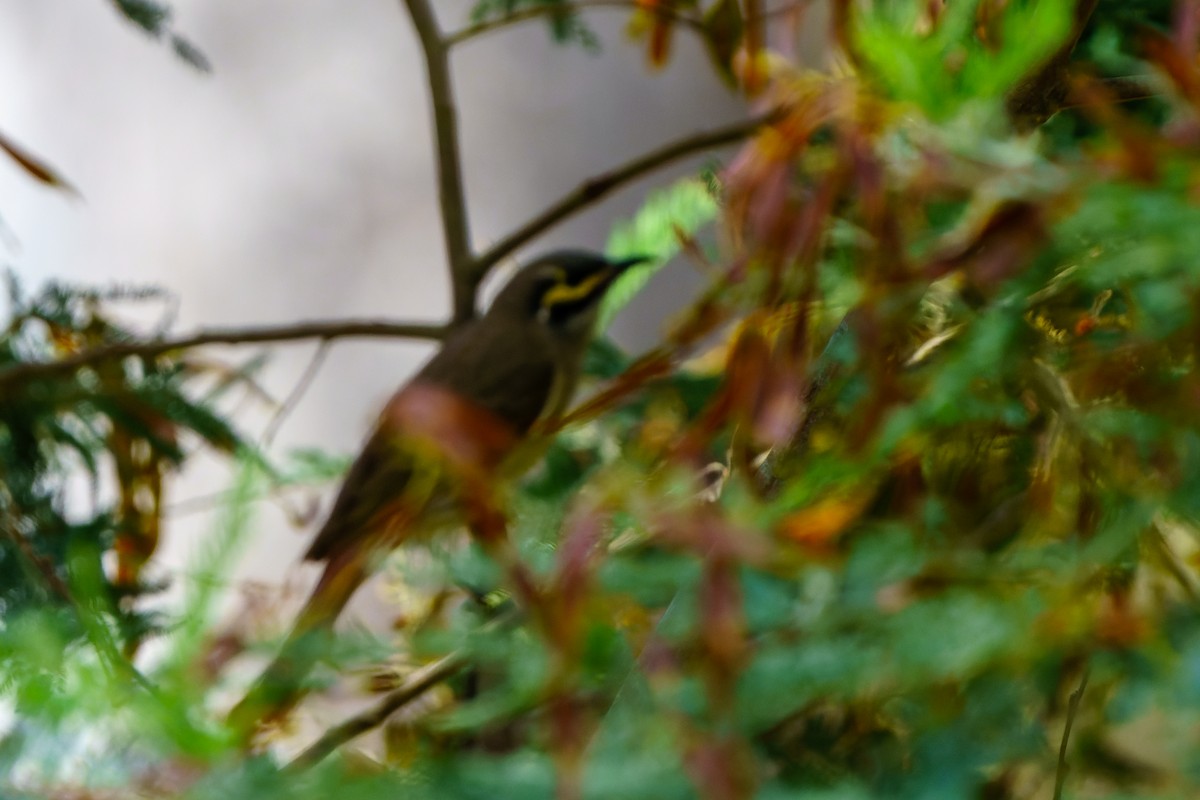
(511, 377)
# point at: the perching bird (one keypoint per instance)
(463, 423)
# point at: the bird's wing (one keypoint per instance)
(384, 490)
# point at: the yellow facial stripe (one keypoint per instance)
(566, 293)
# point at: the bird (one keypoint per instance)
(472, 417)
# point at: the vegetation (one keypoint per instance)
(907, 504)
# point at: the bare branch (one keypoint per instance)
(598, 186)
(1060, 776)
(417, 684)
(292, 400)
(534, 12)
(233, 336)
(451, 196)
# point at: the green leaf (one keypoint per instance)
(948, 68)
(190, 53)
(150, 16)
(959, 633)
(654, 232)
(564, 22)
(604, 359)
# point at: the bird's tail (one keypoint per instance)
(282, 684)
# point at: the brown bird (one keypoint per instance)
(467, 421)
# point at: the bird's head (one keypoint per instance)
(561, 290)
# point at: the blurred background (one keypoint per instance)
(296, 181)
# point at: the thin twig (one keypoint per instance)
(203, 502)
(289, 403)
(417, 684)
(451, 196)
(822, 373)
(598, 186)
(526, 14)
(534, 12)
(1060, 776)
(231, 336)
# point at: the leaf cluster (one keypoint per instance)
(84, 455)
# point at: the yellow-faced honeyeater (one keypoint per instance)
(466, 421)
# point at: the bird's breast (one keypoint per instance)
(470, 439)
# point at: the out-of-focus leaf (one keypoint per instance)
(818, 526)
(565, 23)
(654, 232)
(150, 16)
(35, 167)
(944, 69)
(154, 18)
(604, 359)
(190, 53)
(723, 28)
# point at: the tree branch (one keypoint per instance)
(418, 683)
(451, 196)
(1060, 773)
(324, 331)
(598, 186)
(293, 398)
(534, 12)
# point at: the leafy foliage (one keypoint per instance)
(906, 497)
(124, 423)
(946, 67)
(565, 24)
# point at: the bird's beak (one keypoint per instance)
(622, 264)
